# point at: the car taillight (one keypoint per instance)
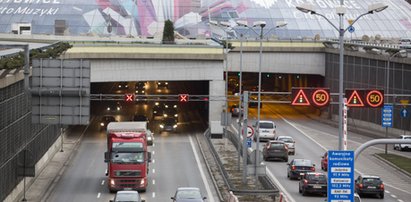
(381, 186)
(305, 182)
(360, 186)
(312, 169)
(292, 167)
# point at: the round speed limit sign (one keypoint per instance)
(250, 131)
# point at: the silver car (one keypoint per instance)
(266, 130)
(127, 196)
(289, 141)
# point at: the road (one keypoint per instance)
(313, 139)
(175, 160)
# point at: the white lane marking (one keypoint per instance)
(399, 200)
(154, 181)
(153, 145)
(154, 170)
(153, 195)
(386, 191)
(394, 196)
(153, 161)
(153, 152)
(210, 196)
(106, 172)
(102, 182)
(287, 195)
(389, 185)
(98, 195)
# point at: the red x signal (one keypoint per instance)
(129, 97)
(183, 97)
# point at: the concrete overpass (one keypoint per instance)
(130, 62)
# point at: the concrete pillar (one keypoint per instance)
(216, 105)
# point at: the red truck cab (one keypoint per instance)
(127, 157)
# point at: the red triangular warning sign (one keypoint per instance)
(355, 100)
(300, 99)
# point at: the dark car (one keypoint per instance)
(113, 107)
(170, 112)
(105, 120)
(368, 184)
(140, 88)
(253, 102)
(299, 166)
(162, 84)
(168, 124)
(314, 183)
(324, 161)
(235, 110)
(122, 86)
(157, 109)
(140, 117)
(275, 150)
(188, 194)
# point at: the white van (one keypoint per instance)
(403, 147)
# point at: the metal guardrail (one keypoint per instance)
(270, 190)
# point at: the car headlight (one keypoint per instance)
(108, 108)
(175, 115)
(175, 106)
(155, 112)
(165, 115)
(118, 108)
(175, 126)
(142, 182)
(157, 103)
(101, 124)
(136, 91)
(142, 91)
(161, 126)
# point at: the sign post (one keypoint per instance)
(340, 176)
(345, 122)
(387, 116)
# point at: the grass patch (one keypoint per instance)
(400, 161)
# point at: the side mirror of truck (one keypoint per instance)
(149, 157)
(106, 157)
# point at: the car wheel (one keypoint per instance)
(286, 159)
(288, 175)
(382, 195)
(299, 190)
(304, 192)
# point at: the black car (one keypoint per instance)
(275, 150)
(140, 117)
(315, 183)
(157, 109)
(113, 107)
(253, 102)
(168, 124)
(105, 120)
(369, 184)
(162, 84)
(235, 110)
(140, 88)
(122, 86)
(299, 166)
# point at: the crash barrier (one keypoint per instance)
(269, 187)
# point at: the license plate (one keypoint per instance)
(371, 187)
(317, 186)
(277, 150)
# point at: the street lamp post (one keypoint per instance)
(309, 8)
(260, 24)
(387, 86)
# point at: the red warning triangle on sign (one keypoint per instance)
(355, 100)
(301, 99)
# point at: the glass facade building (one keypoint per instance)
(145, 18)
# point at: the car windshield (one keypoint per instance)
(128, 158)
(266, 125)
(316, 177)
(407, 138)
(170, 121)
(371, 180)
(303, 162)
(285, 139)
(276, 145)
(127, 197)
(188, 194)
